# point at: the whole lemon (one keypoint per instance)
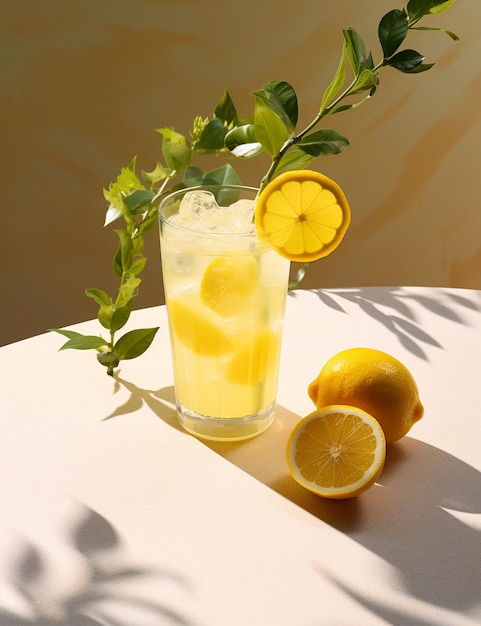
(373, 381)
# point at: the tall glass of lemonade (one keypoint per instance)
(225, 291)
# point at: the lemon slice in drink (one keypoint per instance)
(337, 451)
(255, 359)
(197, 328)
(228, 282)
(304, 214)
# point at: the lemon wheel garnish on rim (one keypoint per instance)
(304, 214)
(337, 451)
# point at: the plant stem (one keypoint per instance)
(323, 113)
(293, 140)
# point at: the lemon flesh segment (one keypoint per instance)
(197, 328)
(228, 283)
(304, 213)
(337, 452)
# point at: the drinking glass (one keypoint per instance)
(225, 294)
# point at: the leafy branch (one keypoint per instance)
(270, 129)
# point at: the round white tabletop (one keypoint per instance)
(112, 515)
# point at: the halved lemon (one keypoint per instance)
(336, 452)
(304, 214)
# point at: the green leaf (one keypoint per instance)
(138, 201)
(449, 33)
(105, 305)
(270, 130)
(422, 67)
(126, 182)
(156, 175)
(242, 142)
(345, 107)
(226, 111)
(275, 115)
(104, 315)
(392, 31)
(282, 99)
(176, 149)
(366, 80)
(193, 176)
(353, 105)
(117, 263)
(128, 179)
(441, 7)
(355, 50)
(120, 316)
(100, 297)
(405, 61)
(138, 265)
(323, 142)
(134, 343)
(294, 160)
(147, 223)
(70, 334)
(128, 289)
(138, 242)
(77, 341)
(212, 137)
(86, 342)
(132, 165)
(225, 175)
(123, 257)
(336, 84)
(417, 9)
(222, 177)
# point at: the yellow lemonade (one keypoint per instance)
(225, 295)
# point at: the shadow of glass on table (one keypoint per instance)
(264, 458)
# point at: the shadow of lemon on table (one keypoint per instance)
(425, 524)
(416, 518)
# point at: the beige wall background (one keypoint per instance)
(85, 84)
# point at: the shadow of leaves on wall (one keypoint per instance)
(105, 588)
(393, 307)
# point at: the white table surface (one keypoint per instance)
(111, 514)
